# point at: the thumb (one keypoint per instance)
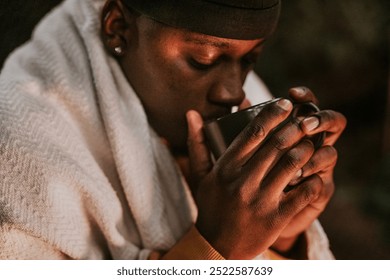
(199, 154)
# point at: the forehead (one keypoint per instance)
(222, 44)
(164, 32)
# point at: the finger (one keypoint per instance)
(323, 159)
(333, 123)
(273, 149)
(200, 159)
(322, 163)
(302, 94)
(246, 143)
(287, 168)
(304, 194)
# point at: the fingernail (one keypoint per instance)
(296, 178)
(299, 91)
(191, 119)
(297, 175)
(285, 104)
(311, 123)
(188, 116)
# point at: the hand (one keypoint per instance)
(242, 206)
(321, 163)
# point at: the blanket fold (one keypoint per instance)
(79, 160)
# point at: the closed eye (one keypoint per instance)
(200, 65)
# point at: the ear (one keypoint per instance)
(117, 23)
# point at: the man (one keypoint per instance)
(176, 64)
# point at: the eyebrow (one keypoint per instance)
(205, 41)
(219, 44)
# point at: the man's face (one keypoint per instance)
(173, 70)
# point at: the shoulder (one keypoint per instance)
(255, 89)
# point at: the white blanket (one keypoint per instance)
(82, 175)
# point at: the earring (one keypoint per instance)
(118, 50)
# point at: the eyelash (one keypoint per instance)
(247, 62)
(200, 66)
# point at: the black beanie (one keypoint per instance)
(232, 19)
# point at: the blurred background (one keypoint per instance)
(339, 49)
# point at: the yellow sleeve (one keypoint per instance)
(192, 246)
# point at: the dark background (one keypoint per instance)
(340, 49)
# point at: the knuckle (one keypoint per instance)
(244, 196)
(308, 194)
(254, 131)
(193, 141)
(329, 115)
(331, 154)
(279, 142)
(332, 151)
(312, 188)
(265, 120)
(299, 155)
(329, 191)
(334, 117)
(305, 89)
(222, 173)
(310, 165)
(292, 160)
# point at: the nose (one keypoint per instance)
(227, 89)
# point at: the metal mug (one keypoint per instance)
(221, 132)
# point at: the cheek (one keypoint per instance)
(183, 85)
(169, 88)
